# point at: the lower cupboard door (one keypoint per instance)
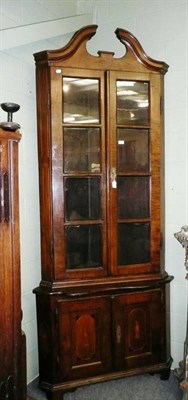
(84, 337)
(139, 329)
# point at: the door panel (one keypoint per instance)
(134, 175)
(79, 173)
(138, 329)
(84, 332)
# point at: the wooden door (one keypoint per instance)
(135, 137)
(84, 337)
(139, 329)
(78, 173)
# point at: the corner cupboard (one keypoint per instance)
(103, 301)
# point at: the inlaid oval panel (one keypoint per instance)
(85, 337)
(138, 329)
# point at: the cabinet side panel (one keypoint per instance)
(46, 323)
(44, 153)
(162, 178)
(167, 347)
(157, 161)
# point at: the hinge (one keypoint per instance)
(118, 334)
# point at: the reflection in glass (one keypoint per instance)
(80, 100)
(133, 150)
(82, 149)
(83, 246)
(134, 243)
(132, 102)
(82, 199)
(133, 197)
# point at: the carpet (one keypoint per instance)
(140, 387)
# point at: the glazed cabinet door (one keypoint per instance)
(134, 175)
(139, 329)
(84, 332)
(79, 173)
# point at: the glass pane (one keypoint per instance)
(83, 246)
(80, 100)
(134, 243)
(82, 199)
(82, 149)
(132, 102)
(133, 197)
(133, 150)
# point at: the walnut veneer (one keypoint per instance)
(103, 301)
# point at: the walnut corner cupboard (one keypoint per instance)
(103, 300)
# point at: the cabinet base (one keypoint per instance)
(56, 391)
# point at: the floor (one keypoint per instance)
(142, 387)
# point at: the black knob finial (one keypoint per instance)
(10, 108)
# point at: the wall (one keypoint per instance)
(161, 28)
(17, 84)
